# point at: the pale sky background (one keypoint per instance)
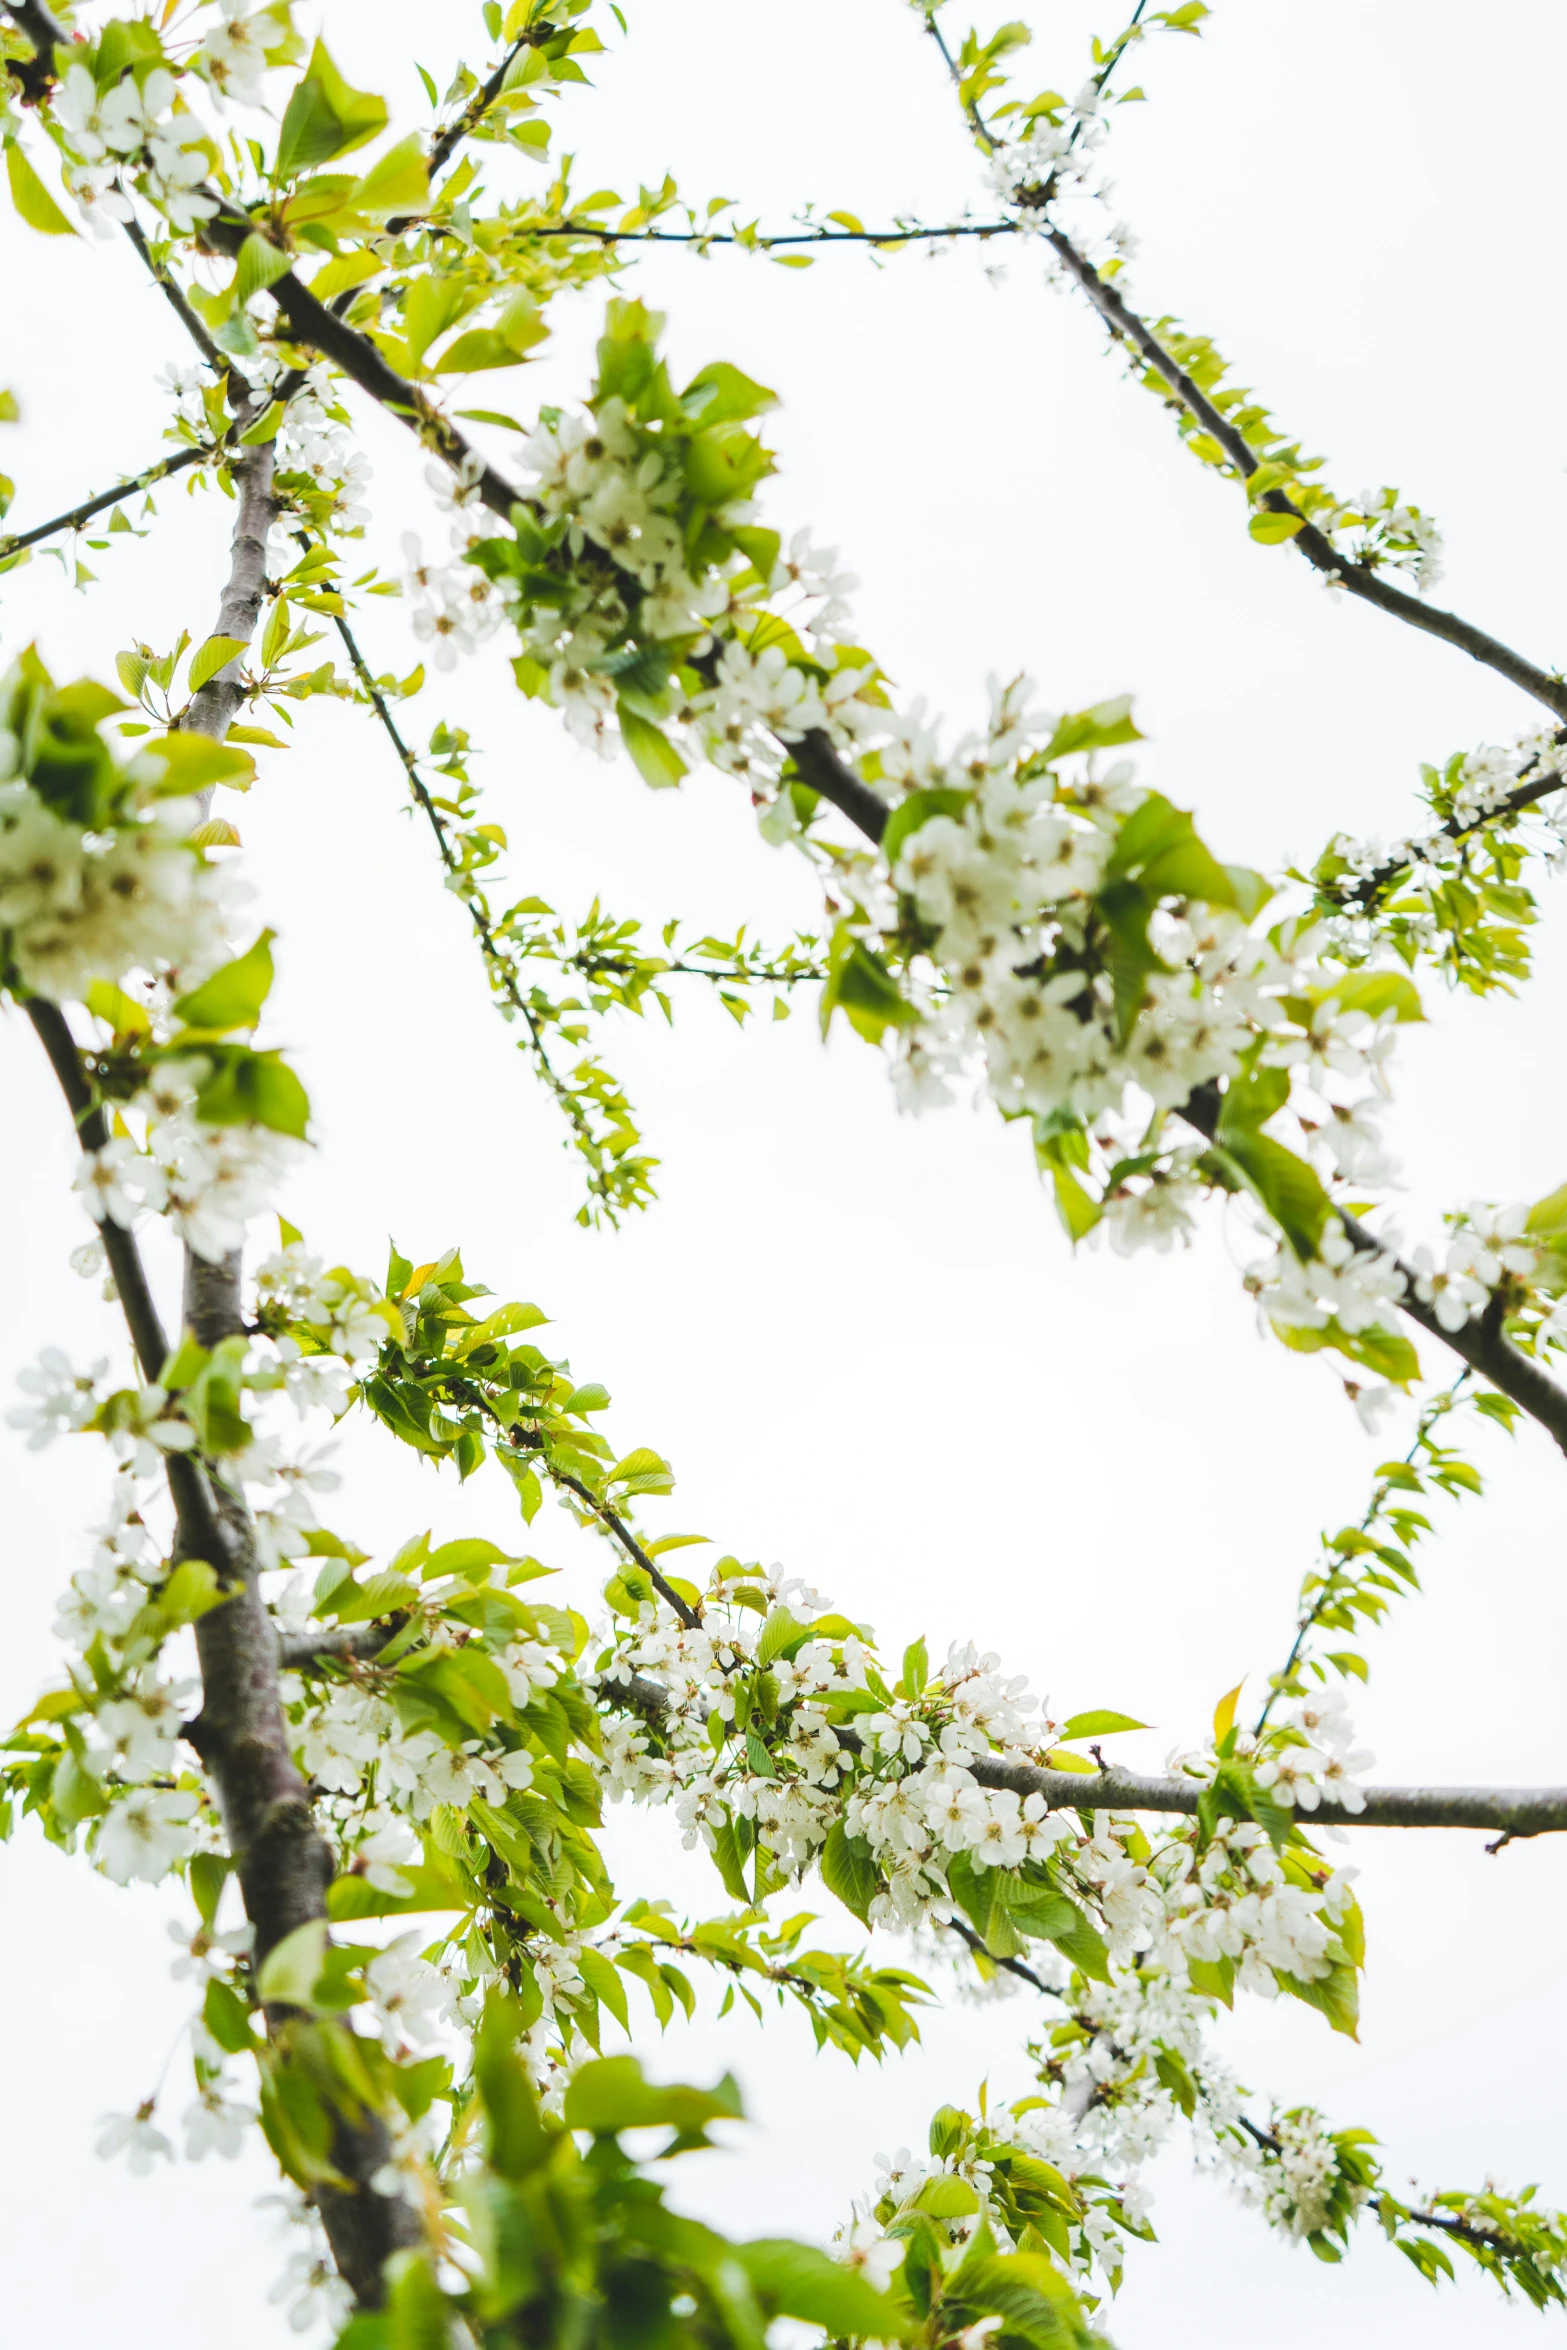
(863, 1341)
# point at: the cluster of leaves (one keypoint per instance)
(979, 68)
(239, 1085)
(987, 2178)
(600, 955)
(705, 463)
(1371, 1564)
(565, 2238)
(1387, 532)
(1522, 2248)
(1470, 916)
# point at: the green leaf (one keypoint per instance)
(1337, 1996)
(467, 1557)
(1099, 1725)
(193, 762)
(291, 1970)
(860, 985)
(604, 1981)
(1098, 729)
(795, 2280)
(265, 428)
(1271, 530)
(1548, 1216)
(1214, 1978)
(611, 2095)
(652, 753)
(233, 997)
(31, 198)
(721, 394)
(324, 118)
(214, 655)
(730, 1861)
(1287, 1186)
(252, 1089)
(227, 2018)
(261, 264)
(418, 2314)
(1084, 1945)
(518, 2139)
(1386, 1353)
(397, 181)
(947, 2197)
(848, 1871)
(1158, 846)
(1376, 993)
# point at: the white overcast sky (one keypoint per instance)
(863, 1341)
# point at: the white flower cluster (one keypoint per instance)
(617, 491)
(1308, 1756)
(138, 128)
(314, 440)
(455, 608)
(144, 1825)
(1401, 534)
(208, 1181)
(78, 905)
(1294, 2180)
(1486, 781)
(1237, 1902)
(235, 54)
(1053, 155)
(339, 1307)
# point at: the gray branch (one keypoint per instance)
(44, 29)
(216, 704)
(283, 1862)
(1514, 1811)
(1357, 579)
(299, 1652)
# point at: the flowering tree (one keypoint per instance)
(313, 1742)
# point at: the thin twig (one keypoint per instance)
(148, 1336)
(447, 142)
(757, 241)
(1357, 579)
(177, 302)
(1428, 1420)
(78, 515)
(615, 1525)
(497, 962)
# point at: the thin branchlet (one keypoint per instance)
(13, 542)
(1523, 1811)
(1357, 579)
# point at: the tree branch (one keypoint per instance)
(92, 1132)
(44, 29)
(1319, 550)
(911, 234)
(1491, 1352)
(1482, 1343)
(445, 145)
(497, 963)
(283, 1862)
(177, 303)
(1521, 1811)
(336, 1644)
(165, 467)
(215, 706)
